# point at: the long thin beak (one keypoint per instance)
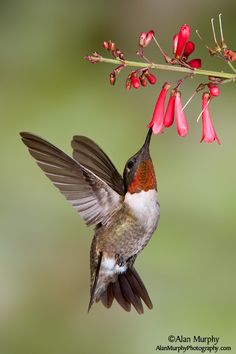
(144, 151)
(147, 140)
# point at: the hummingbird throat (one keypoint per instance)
(144, 178)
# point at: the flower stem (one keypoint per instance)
(220, 74)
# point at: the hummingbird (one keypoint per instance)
(125, 211)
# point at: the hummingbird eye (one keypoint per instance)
(130, 164)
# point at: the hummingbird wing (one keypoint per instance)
(91, 156)
(89, 194)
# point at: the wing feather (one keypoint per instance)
(90, 155)
(90, 194)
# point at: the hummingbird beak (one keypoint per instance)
(145, 147)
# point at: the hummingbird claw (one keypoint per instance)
(120, 260)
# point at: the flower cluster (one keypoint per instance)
(182, 48)
(164, 118)
(140, 77)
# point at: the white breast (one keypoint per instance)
(145, 206)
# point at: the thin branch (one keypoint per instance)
(165, 67)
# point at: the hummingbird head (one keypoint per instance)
(139, 173)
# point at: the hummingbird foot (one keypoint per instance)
(120, 260)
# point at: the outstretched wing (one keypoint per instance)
(91, 156)
(89, 194)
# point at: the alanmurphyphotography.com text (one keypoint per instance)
(196, 343)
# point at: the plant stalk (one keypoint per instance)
(166, 67)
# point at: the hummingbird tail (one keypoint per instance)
(128, 289)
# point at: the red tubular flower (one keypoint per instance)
(170, 110)
(208, 131)
(182, 124)
(195, 63)
(184, 35)
(158, 114)
(188, 49)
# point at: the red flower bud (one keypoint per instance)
(184, 35)
(128, 83)
(170, 110)
(142, 39)
(230, 55)
(94, 58)
(145, 38)
(195, 63)
(135, 81)
(151, 78)
(182, 124)
(112, 46)
(112, 78)
(106, 45)
(175, 42)
(208, 131)
(214, 90)
(143, 80)
(189, 48)
(149, 37)
(158, 114)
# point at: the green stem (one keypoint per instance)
(220, 74)
(231, 66)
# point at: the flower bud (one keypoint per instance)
(151, 78)
(128, 83)
(188, 49)
(112, 46)
(106, 45)
(184, 35)
(135, 81)
(230, 55)
(112, 78)
(142, 80)
(142, 39)
(145, 38)
(149, 37)
(195, 63)
(175, 42)
(214, 90)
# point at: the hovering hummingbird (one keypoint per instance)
(125, 211)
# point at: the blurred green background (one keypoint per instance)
(49, 89)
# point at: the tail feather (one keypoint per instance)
(138, 286)
(128, 289)
(129, 294)
(120, 297)
(107, 297)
